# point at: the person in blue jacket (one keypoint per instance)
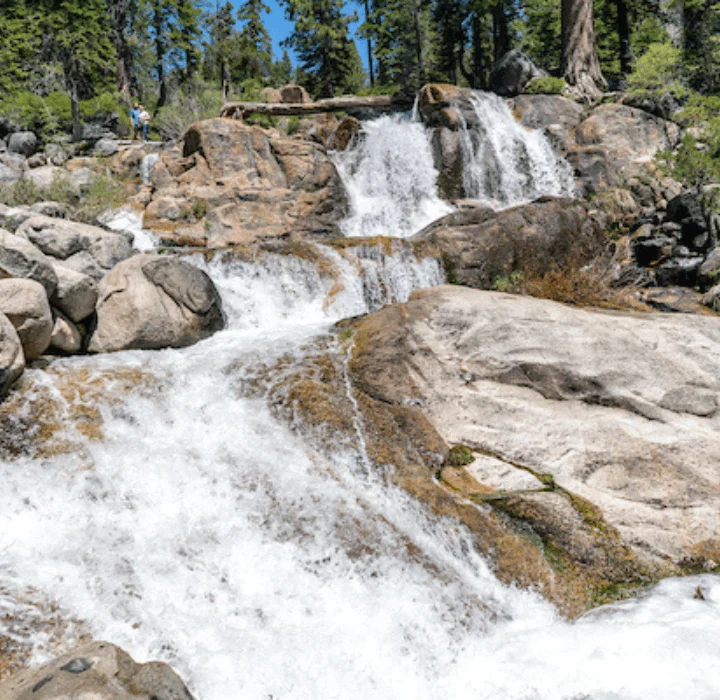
(135, 120)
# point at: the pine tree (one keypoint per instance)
(282, 70)
(184, 36)
(220, 48)
(255, 40)
(21, 30)
(76, 34)
(321, 40)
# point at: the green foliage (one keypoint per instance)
(185, 107)
(546, 86)
(511, 284)
(459, 456)
(328, 55)
(540, 33)
(255, 38)
(659, 70)
(102, 194)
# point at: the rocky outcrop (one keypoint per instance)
(617, 144)
(234, 182)
(592, 435)
(557, 115)
(512, 73)
(479, 246)
(88, 249)
(25, 303)
(152, 302)
(12, 359)
(97, 671)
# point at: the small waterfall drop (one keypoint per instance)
(505, 163)
(129, 220)
(147, 165)
(390, 180)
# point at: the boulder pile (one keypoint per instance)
(67, 287)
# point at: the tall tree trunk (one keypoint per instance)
(623, 27)
(123, 61)
(160, 49)
(501, 34)
(371, 70)
(418, 41)
(225, 79)
(581, 66)
(72, 84)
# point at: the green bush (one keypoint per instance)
(659, 70)
(545, 86)
(43, 115)
(103, 193)
(104, 105)
(172, 120)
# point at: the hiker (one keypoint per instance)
(135, 120)
(144, 122)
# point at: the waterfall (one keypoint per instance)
(203, 531)
(390, 179)
(130, 220)
(505, 163)
(147, 165)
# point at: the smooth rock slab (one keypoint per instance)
(620, 409)
(25, 303)
(98, 671)
(153, 302)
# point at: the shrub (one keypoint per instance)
(43, 115)
(459, 456)
(545, 86)
(103, 193)
(659, 70)
(185, 108)
(101, 107)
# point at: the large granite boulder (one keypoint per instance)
(12, 359)
(23, 142)
(153, 302)
(76, 294)
(25, 303)
(512, 73)
(234, 182)
(480, 246)
(79, 245)
(97, 671)
(590, 440)
(20, 258)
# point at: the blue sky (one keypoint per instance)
(280, 28)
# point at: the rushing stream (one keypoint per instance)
(204, 531)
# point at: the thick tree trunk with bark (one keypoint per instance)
(123, 61)
(581, 66)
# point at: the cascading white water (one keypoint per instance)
(390, 180)
(147, 165)
(507, 164)
(130, 221)
(201, 530)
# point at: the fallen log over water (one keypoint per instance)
(376, 103)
